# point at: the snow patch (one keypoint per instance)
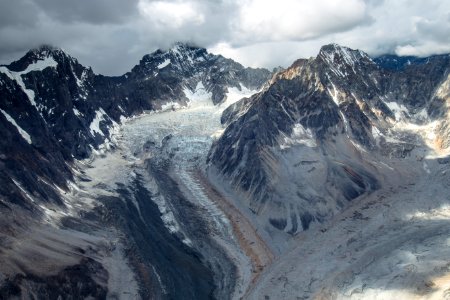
(299, 136)
(235, 94)
(198, 97)
(376, 132)
(16, 76)
(164, 64)
(23, 190)
(170, 106)
(398, 109)
(80, 81)
(358, 146)
(95, 124)
(349, 57)
(346, 124)
(37, 66)
(77, 112)
(123, 119)
(441, 213)
(334, 94)
(22, 132)
(40, 65)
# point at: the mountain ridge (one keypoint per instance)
(341, 98)
(73, 97)
(319, 138)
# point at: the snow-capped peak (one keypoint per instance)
(339, 58)
(180, 48)
(332, 52)
(40, 58)
(180, 57)
(187, 52)
(45, 51)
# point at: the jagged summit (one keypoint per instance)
(184, 46)
(348, 53)
(343, 60)
(199, 70)
(45, 50)
(337, 103)
(177, 49)
(333, 62)
(42, 55)
(180, 57)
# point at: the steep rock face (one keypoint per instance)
(296, 151)
(184, 67)
(54, 113)
(67, 111)
(439, 108)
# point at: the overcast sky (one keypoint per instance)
(112, 35)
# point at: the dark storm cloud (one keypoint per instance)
(20, 13)
(90, 11)
(81, 27)
(112, 35)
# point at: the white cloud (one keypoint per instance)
(422, 50)
(269, 54)
(164, 14)
(403, 25)
(268, 21)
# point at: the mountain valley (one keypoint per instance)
(193, 177)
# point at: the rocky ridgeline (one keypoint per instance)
(66, 111)
(296, 150)
(56, 113)
(318, 136)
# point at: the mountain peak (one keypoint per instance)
(342, 59)
(180, 57)
(333, 47)
(335, 51)
(42, 53)
(48, 51)
(45, 50)
(181, 49)
(183, 46)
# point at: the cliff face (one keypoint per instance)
(303, 148)
(66, 111)
(55, 116)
